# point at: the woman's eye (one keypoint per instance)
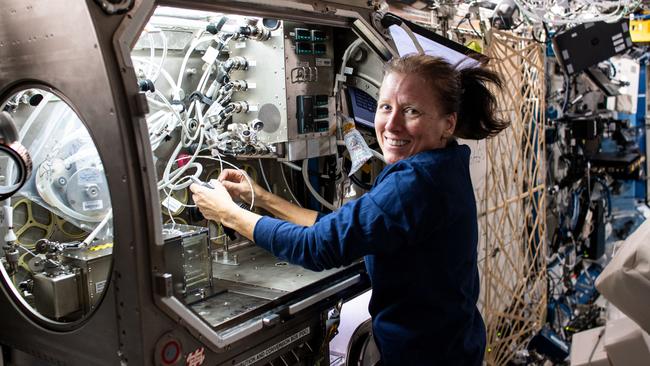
(412, 112)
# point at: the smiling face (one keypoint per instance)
(408, 119)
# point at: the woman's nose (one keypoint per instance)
(394, 121)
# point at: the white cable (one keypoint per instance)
(378, 155)
(311, 189)
(286, 183)
(238, 169)
(169, 211)
(27, 250)
(346, 56)
(97, 229)
(292, 165)
(184, 63)
(555, 12)
(415, 41)
(163, 72)
(299, 169)
(169, 177)
(152, 56)
(266, 182)
(162, 57)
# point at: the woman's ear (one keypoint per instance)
(450, 125)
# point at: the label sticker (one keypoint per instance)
(87, 176)
(210, 55)
(92, 205)
(196, 358)
(99, 287)
(172, 204)
(323, 62)
(240, 45)
(302, 63)
(274, 348)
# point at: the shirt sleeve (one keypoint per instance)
(383, 220)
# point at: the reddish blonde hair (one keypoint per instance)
(458, 90)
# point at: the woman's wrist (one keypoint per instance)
(262, 197)
(230, 215)
(242, 221)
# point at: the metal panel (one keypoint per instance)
(41, 43)
(83, 54)
(268, 74)
(57, 296)
(95, 266)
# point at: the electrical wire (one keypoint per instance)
(162, 57)
(184, 63)
(266, 182)
(556, 12)
(292, 166)
(284, 178)
(319, 198)
(250, 184)
(97, 229)
(26, 249)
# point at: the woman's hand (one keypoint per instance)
(237, 185)
(215, 204)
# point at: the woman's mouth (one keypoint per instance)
(395, 142)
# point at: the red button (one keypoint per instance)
(171, 352)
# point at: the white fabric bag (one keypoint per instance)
(625, 281)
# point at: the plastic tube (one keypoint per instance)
(162, 57)
(167, 180)
(311, 189)
(266, 182)
(163, 72)
(237, 168)
(97, 229)
(184, 63)
(284, 178)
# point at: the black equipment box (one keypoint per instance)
(588, 44)
(624, 165)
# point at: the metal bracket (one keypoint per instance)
(323, 8)
(114, 7)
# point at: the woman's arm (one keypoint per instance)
(384, 220)
(217, 205)
(237, 185)
(285, 210)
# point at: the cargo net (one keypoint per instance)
(559, 12)
(511, 206)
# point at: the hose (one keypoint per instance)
(319, 198)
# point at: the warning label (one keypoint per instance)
(274, 348)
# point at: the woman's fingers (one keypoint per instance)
(231, 175)
(213, 203)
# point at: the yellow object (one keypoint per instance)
(31, 223)
(640, 30)
(68, 229)
(101, 247)
(476, 46)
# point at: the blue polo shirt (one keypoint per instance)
(417, 229)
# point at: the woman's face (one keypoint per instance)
(408, 120)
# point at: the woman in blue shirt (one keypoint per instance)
(417, 226)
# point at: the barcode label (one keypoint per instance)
(92, 205)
